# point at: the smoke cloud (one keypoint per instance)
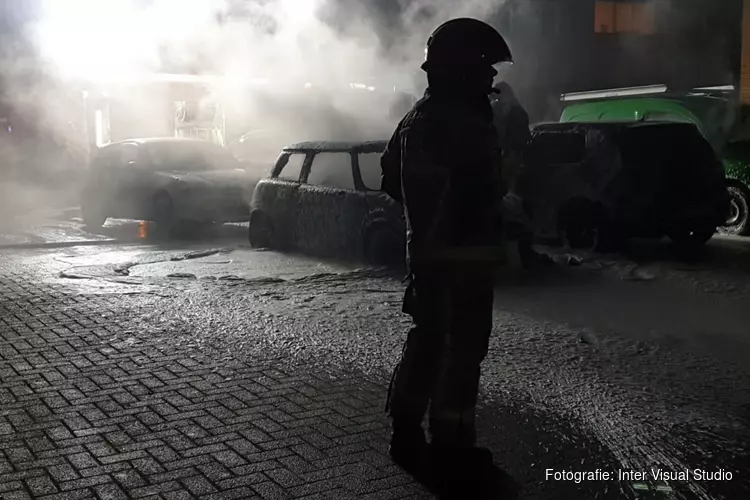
(275, 47)
(301, 69)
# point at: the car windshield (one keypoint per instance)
(190, 157)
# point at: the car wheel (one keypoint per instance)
(164, 213)
(580, 237)
(260, 232)
(384, 246)
(738, 221)
(577, 225)
(93, 215)
(586, 227)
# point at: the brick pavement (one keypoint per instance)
(89, 410)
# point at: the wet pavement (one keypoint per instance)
(208, 369)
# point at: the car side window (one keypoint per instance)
(370, 170)
(332, 170)
(292, 169)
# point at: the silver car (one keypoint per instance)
(166, 180)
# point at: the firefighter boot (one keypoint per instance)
(454, 456)
(408, 447)
(460, 469)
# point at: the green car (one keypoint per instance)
(713, 110)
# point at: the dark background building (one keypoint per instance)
(576, 45)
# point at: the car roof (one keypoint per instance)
(609, 125)
(336, 147)
(159, 140)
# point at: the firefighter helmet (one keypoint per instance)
(465, 42)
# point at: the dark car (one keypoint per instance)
(166, 180)
(324, 198)
(599, 183)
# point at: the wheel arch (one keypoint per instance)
(158, 192)
(377, 221)
(742, 229)
(737, 183)
(258, 216)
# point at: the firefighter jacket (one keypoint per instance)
(443, 164)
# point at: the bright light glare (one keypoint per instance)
(90, 38)
(297, 13)
(111, 40)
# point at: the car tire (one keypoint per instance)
(739, 218)
(260, 231)
(585, 226)
(579, 236)
(384, 246)
(93, 215)
(164, 213)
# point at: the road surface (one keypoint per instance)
(623, 365)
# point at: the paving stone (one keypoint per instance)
(110, 491)
(41, 486)
(64, 472)
(91, 415)
(198, 485)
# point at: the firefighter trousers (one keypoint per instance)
(440, 364)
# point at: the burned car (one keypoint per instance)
(598, 184)
(324, 198)
(166, 180)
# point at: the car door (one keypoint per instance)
(116, 195)
(276, 199)
(101, 185)
(327, 190)
(379, 205)
(553, 174)
(136, 185)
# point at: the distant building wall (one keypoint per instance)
(745, 64)
(591, 44)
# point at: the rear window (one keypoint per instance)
(682, 144)
(292, 167)
(332, 170)
(369, 168)
(558, 147)
(675, 158)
